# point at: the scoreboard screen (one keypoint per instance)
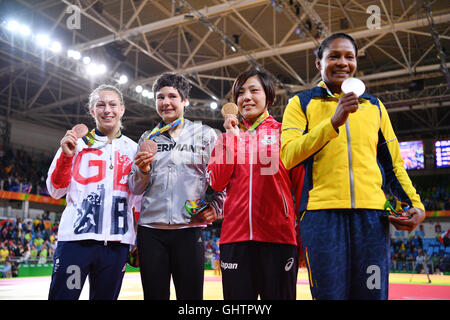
(412, 154)
(442, 153)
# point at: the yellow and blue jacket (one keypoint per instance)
(353, 167)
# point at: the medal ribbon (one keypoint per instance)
(263, 116)
(158, 130)
(89, 139)
(322, 84)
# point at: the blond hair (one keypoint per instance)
(95, 96)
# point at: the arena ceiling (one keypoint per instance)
(403, 46)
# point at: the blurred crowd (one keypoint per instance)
(211, 238)
(436, 197)
(23, 172)
(31, 241)
(411, 255)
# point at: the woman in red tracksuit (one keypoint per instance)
(258, 242)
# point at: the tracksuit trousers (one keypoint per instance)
(347, 253)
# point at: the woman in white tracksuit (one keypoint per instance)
(96, 227)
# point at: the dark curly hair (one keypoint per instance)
(173, 80)
(326, 42)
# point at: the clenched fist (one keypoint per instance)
(231, 124)
(69, 143)
(348, 103)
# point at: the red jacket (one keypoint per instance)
(259, 203)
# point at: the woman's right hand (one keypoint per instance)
(143, 160)
(348, 103)
(231, 124)
(69, 143)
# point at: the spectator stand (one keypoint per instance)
(27, 246)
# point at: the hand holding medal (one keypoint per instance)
(200, 211)
(231, 123)
(353, 85)
(69, 141)
(80, 130)
(348, 103)
(146, 155)
(229, 108)
(149, 146)
(403, 217)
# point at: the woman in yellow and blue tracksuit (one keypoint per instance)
(351, 157)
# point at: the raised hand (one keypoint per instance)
(69, 143)
(231, 124)
(348, 103)
(143, 160)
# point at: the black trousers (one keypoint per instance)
(171, 253)
(253, 268)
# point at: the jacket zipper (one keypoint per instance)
(112, 163)
(169, 175)
(250, 187)
(350, 166)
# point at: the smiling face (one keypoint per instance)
(251, 99)
(169, 104)
(107, 112)
(337, 64)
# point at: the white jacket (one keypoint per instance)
(94, 181)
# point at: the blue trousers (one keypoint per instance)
(75, 260)
(346, 253)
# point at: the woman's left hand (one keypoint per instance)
(208, 215)
(409, 220)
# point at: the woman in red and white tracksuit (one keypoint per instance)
(258, 242)
(96, 227)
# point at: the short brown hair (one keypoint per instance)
(174, 80)
(264, 78)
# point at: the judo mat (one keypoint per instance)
(401, 287)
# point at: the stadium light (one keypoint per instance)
(55, 46)
(86, 60)
(145, 93)
(139, 89)
(123, 79)
(12, 25)
(42, 40)
(76, 55)
(94, 69)
(213, 105)
(101, 69)
(24, 30)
